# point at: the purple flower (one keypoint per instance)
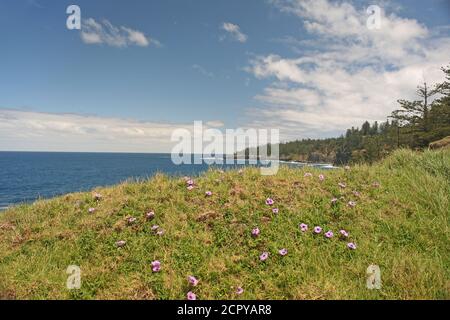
(343, 233)
(264, 256)
(190, 182)
(256, 232)
(239, 290)
(155, 227)
(193, 281)
(303, 227)
(282, 252)
(131, 220)
(321, 177)
(269, 201)
(191, 296)
(208, 193)
(121, 243)
(150, 215)
(156, 266)
(275, 210)
(91, 210)
(97, 196)
(342, 185)
(329, 234)
(308, 174)
(351, 245)
(352, 204)
(317, 229)
(160, 232)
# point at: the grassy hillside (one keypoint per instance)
(400, 222)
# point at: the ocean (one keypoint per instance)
(27, 176)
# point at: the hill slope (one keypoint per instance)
(400, 222)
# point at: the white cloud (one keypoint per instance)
(38, 131)
(93, 32)
(347, 73)
(202, 71)
(234, 31)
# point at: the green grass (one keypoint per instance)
(402, 226)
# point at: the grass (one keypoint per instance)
(402, 226)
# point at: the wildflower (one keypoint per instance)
(208, 193)
(190, 187)
(269, 201)
(351, 245)
(264, 256)
(356, 193)
(191, 296)
(193, 281)
(239, 290)
(283, 252)
(275, 210)
(303, 227)
(256, 232)
(334, 201)
(342, 185)
(155, 227)
(343, 233)
(121, 243)
(329, 234)
(91, 210)
(321, 177)
(150, 215)
(308, 174)
(190, 182)
(131, 220)
(156, 266)
(160, 232)
(317, 229)
(352, 204)
(97, 196)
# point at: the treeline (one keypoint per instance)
(414, 125)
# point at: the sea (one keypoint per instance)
(28, 176)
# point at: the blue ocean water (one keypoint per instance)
(27, 176)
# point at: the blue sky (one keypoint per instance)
(54, 83)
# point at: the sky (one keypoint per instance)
(138, 70)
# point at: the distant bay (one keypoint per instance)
(27, 176)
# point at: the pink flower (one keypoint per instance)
(208, 193)
(334, 201)
(275, 210)
(91, 210)
(160, 232)
(321, 177)
(191, 296)
(269, 201)
(342, 185)
(239, 290)
(308, 174)
(351, 245)
(97, 196)
(131, 220)
(156, 266)
(190, 182)
(264, 256)
(150, 215)
(356, 193)
(303, 227)
(282, 252)
(121, 243)
(155, 227)
(352, 204)
(317, 229)
(343, 233)
(329, 234)
(192, 281)
(255, 232)
(190, 187)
